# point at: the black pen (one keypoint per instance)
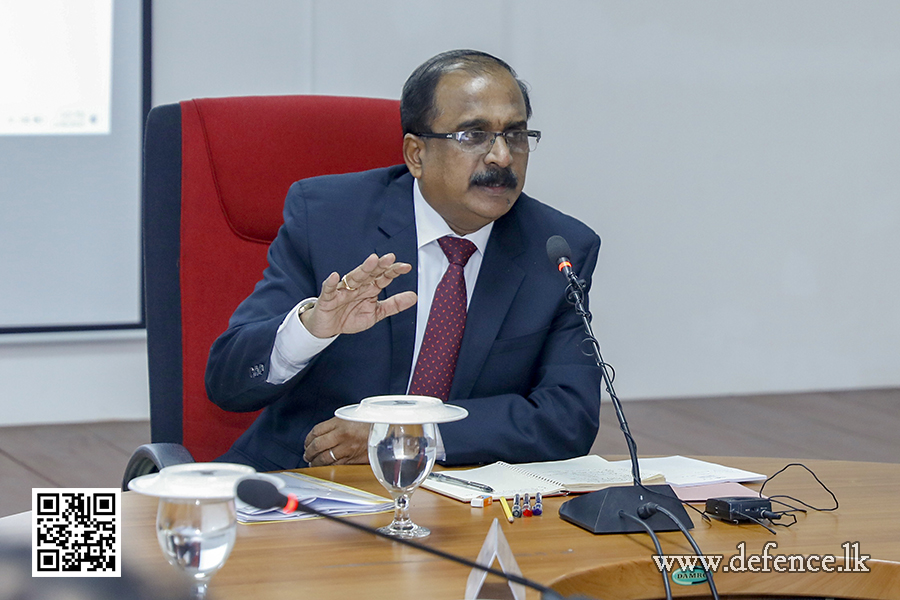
(463, 482)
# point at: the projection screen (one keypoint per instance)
(73, 97)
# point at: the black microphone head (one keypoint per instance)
(558, 248)
(261, 494)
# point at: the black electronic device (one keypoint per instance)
(598, 512)
(749, 509)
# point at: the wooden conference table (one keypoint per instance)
(322, 559)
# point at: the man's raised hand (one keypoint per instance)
(350, 304)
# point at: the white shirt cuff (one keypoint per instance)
(294, 348)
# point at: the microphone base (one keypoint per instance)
(598, 512)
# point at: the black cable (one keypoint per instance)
(810, 471)
(761, 524)
(782, 513)
(792, 508)
(659, 552)
(263, 494)
(646, 511)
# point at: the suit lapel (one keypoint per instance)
(398, 229)
(498, 283)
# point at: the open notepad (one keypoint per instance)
(581, 474)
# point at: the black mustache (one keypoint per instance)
(496, 177)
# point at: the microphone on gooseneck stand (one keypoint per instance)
(559, 252)
(263, 494)
(599, 512)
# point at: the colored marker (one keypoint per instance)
(517, 507)
(526, 507)
(505, 505)
(538, 509)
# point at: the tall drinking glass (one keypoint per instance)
(401, 456)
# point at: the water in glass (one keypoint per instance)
(401, 457)
(196, 536)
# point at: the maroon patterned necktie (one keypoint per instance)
(446, 322)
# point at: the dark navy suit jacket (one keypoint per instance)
(530, 391)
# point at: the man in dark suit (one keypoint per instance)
(308, 340)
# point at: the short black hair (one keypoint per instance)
(417, 105)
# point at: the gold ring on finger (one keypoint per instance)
(343, 284)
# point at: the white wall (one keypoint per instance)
(73, 377)
(739, 160)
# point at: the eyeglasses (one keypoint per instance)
(476, 140)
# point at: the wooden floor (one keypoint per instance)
(856, 425)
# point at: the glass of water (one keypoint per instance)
(401, 456)
(196, 535)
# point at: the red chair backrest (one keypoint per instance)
(239, 157)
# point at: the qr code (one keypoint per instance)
(75, 532)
